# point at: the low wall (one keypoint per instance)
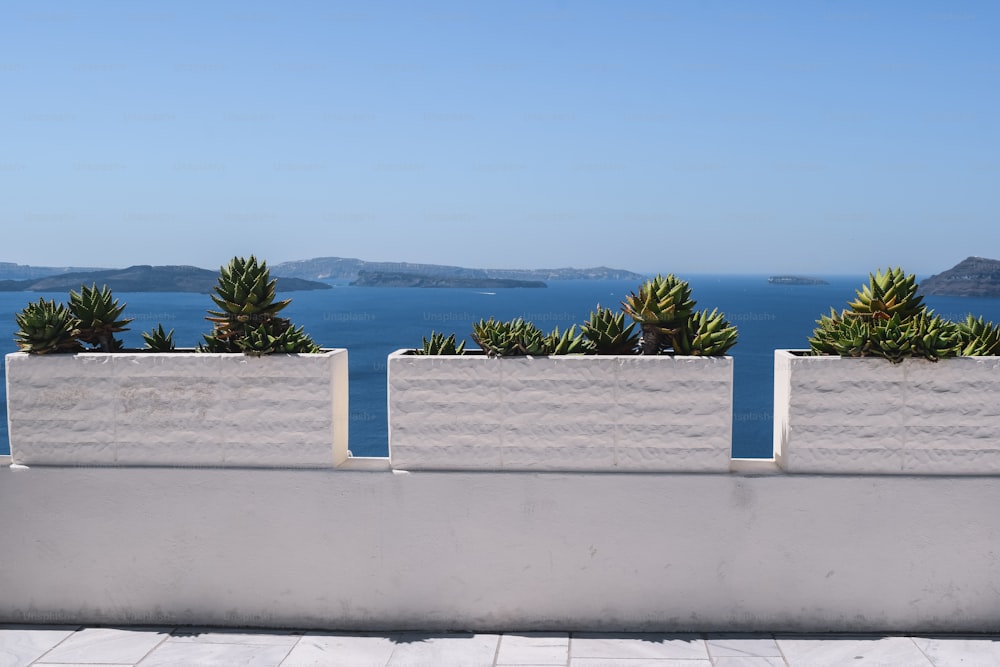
(376, 550)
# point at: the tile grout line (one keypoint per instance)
(291, 648)
(922, 652)
(496, 652)
(161, 643)
(784, 658)
(57, 644)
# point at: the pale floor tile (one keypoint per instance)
(638, 646)
(342, 650)
(460, 650)
(750, 661)
(23, 644)
(534, 648)
(637, 662)
(836, 650)
(965, 651)
(172, 654)
(107, 645)
(742, 646)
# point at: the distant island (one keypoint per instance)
(303, 274)
(973, 276)
(406, 279)
(342, 268)
(796, 280)
(142, 279)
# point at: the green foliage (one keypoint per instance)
(711, 334)
(978, 338)
(274, 337)
(887, 294)
(45, 326)
(158, 340)
(438, 345)
(569, 342)
(512, 338)
(247, 318)
(887, 320)
(607, 333)
(97, 316)
(664, 310)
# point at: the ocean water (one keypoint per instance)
(373, 322)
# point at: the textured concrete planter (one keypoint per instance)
(595, 413)
(178, 409)
(844, 415)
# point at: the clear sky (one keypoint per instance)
(674, 136)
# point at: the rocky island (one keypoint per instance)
(795, 280)
(344, 268)
(973, 276)
(143, 278)
(406, 279)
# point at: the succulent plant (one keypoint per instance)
(887, 294)
(665, 312)
(608, 334)
(888, 320)
(438, 344)
(711, 334)
(663, 308)
(97, 313)
(247, 318)
(508, 339)
(45, 326)
(570, 341)
(275, 337)
(158, 340)
(978, 338)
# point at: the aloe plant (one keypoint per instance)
(45, 326)
(511, 338)
(889, 320)
(247, 319)
(570, 341)
(664, 310)
(438, 344)
(608, 334)
(978, 338)
(711, 334)
(97, 315)
(158, 340)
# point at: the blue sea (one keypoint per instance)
(373, 322)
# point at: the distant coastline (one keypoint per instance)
(405, 279)
(796, 280)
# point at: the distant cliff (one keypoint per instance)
(973, 276)
(142, 279)
(12, 271)
(342, 268)
(405, 279)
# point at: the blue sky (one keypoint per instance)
(674, 136)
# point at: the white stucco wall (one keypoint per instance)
(565, 412)
(867, 415)
(178, 409)
(499, 551)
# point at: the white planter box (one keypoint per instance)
(867, 415)
(178, 409)
(594, 413)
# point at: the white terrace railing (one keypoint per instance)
(98, 534)
(365, 547)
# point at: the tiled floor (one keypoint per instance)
(72, 645)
